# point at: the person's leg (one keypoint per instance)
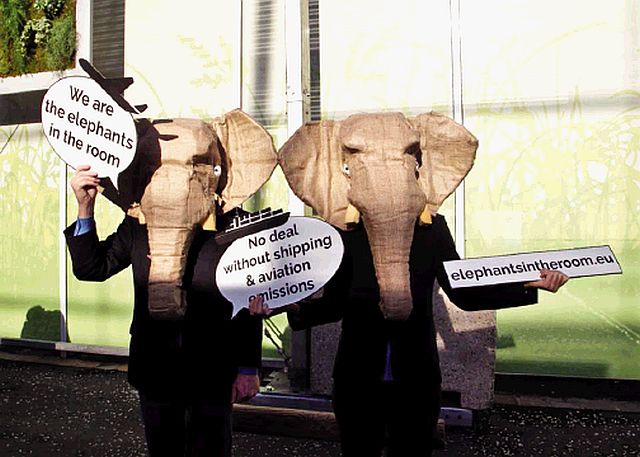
(413, 418)
(360, 417)
(209, 421)
(164, 426)
(209, 430)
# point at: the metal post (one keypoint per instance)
(84, 12)
(458, 113)
(237, 64)
(62, 250)
(298, 112)
(297, 56)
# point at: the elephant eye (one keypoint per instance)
(345, 169)
(217, 170)
(415, 151)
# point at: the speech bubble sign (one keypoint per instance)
(85, 126)
(283, 264)
(575, 263)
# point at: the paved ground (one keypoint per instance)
(55, 411)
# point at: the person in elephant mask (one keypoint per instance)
(188, 359)
(380, 179)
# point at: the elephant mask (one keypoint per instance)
(387, 169)
(184, 172)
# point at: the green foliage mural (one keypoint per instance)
(29, 200)
(36, 36)
(99, 313)
(555, 175)
(29, 183)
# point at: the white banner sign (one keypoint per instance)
(283, 264)
(85, 126)
(575, 263)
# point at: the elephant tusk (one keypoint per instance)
(425, 216)
(136, 212)
(217, 200)
(352, 215)
(209, 222)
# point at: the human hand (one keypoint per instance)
(85, 187)
(245, 386)
(292, 309)
(550, 280)
(257, 307)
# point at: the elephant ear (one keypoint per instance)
(248, 154)
(312, 163)
(448, 152)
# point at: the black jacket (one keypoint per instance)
(200, 354)
(353, 295)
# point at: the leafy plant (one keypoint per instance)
(4, 52)
(61, 45)
(13, 16)
(35, 32)
(26, 26)
(51, 8)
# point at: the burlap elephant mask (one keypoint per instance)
(386, 168)
(184, 172)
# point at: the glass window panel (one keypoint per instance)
(99, 312)
(264, 86)
(556, 179)
(182, 59)
(29, 180)
(264, 89)
(557, 119)
(380, 55)
(524, 50)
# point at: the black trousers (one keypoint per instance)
(372, 416)
(193, 427)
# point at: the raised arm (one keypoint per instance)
(95, 260)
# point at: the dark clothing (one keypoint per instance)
(195, 428)
(374, 414)
(353, 296)
(189, 362)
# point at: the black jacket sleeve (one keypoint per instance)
(95, 260)
(247, 339)
(476, 298)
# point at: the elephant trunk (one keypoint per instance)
(389, 220)
(172, 204)
(169, 246)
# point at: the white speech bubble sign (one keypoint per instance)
(575, 263)
(283, 264)
(85, 126)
